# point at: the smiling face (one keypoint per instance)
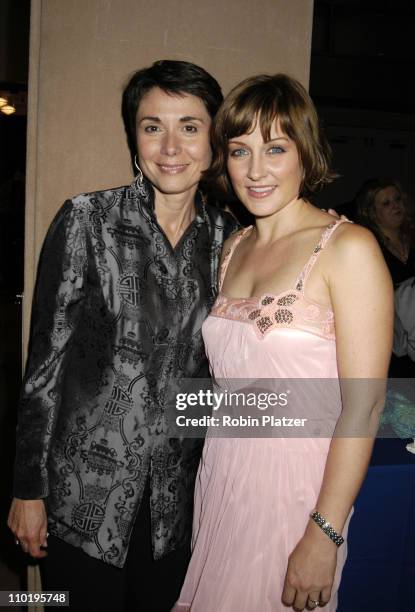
(173, 141)
(389, 208)
(266, 176)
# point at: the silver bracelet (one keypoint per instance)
(326, 527)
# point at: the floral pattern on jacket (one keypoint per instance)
(116, 324)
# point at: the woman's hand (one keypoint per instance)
(310, 571)
(28, 522)
(335, 214)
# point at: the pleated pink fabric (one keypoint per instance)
(253, 496)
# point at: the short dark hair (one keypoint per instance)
(173, 77)
(265, 99)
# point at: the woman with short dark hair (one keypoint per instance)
(301, 297)
(174, 77)
(126, 278)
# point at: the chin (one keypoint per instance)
(262, 211)
(170, 189)
(171, 182)
(396, 224)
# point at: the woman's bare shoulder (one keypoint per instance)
(355, 250)
(351, 238)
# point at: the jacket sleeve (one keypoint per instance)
(57, 304)
(404, 325)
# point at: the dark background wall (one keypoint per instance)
(361, 79)
(14, 45)
(14, 40)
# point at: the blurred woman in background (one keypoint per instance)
(383, 208)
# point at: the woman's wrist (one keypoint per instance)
(316, 539)
(327, 527)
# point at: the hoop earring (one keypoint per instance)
(139, 183)
(139, 177)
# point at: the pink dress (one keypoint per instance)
(253, 496)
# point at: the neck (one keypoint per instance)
(394, 235)
(283, 222)
(174, 213)
(396, 243)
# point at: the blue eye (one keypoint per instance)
(276, 149)
(238, 153)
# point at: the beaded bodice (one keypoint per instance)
(289, 309)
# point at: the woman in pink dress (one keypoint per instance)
(301, 297)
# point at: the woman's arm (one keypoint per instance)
(56, 309)
(362, 299)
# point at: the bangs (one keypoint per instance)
(253, 107)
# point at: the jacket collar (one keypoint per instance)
(144, 190)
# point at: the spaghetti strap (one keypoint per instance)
(228, 255)
(325, 237)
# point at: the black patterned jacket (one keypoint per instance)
(117, 318)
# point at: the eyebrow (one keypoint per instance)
(149, 118)
(190, 118)
(232, 141)
(182, 119)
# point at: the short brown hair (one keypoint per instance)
(267, 98)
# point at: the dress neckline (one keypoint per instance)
(299, 284)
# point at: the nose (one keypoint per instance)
(257, 167)
(170, 144)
